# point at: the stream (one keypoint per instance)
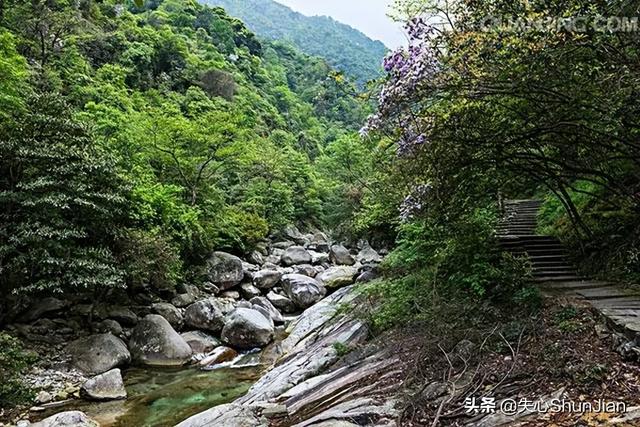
(165, 397)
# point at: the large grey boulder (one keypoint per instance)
(266, 279)
(200, 342)
(368, 255)
(302, 290)
(264, 303)
(225, 270)
(247, 329)
(281, 302)
(337, 277)
(107, 386)
(169, 312)
(296, 255)
(67, 419)
(155, 343)
(207, 314)
(97, 354)
(341, 256)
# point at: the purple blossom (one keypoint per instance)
(415, 202)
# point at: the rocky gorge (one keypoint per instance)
(281, 302)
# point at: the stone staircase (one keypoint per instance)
(557, 276)
(548, 256)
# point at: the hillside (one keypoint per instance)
(179, 132)
(345, 48)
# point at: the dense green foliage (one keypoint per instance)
(526, 106)
(13, 362)
(136, 141)
(346, 49)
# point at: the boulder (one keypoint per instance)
(296, 255)
(184, 300)
(207, 314)
(368, 255)
(97, 354)
(247, 329)
(233, 295)
(155, 343)
(200, 342)
(367, 276)
(249, 291)
(281, 302)
(266, 279)
(122, 315)
(341, 256)
(305, 270)
(169, 312)
(109, 326)
(282, 245)
(337, 277)
(319, 257)
(225, 270)
(107, 386)
(67, 419)
(256, 257)
(302, 290)
(42, 308)
(219, 355)
(273, 312)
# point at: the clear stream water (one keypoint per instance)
(165, 397)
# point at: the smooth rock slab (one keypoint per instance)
(67, 419)
(155, 343)
(107, 386)
(229, 415)
(98, 353)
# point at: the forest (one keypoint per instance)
(135, 143)
(468, 208)
(346, 49)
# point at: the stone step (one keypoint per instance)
(576, 286)
(542, 252)
(554, 273)
(566, 278)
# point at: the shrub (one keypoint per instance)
(437, 265)
(13, 362)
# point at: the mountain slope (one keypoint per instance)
(346, 48)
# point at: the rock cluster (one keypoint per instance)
(239, 307)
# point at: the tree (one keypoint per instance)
(62, 204)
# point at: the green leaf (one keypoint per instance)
(139, 3)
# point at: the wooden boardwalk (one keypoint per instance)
(557, 276)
